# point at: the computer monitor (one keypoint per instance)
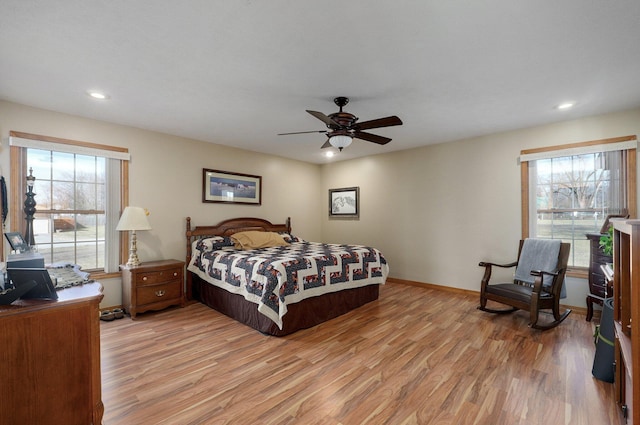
(44, 286)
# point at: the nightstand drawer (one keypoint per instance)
(153, 285)
(153, 277)
(158, 293)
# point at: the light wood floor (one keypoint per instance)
(416, 356)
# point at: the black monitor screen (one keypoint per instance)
(44, 286)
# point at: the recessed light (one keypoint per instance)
(329, 154)
(565, 105)
(97, 95)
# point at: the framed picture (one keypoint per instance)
(344, 203)
(17, 242)
(231, 188)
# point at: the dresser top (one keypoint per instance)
(87, 292)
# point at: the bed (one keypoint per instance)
(279, 289)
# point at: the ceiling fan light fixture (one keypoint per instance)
(344, 126)
(340, 141)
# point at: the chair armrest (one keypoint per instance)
(539, 274)
(487, 271)
(544, 272)
(488, 264)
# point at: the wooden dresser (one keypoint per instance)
(50, 359)
(626, 316)
(152, 286)
(597, 283)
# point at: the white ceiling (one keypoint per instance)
(237, 72)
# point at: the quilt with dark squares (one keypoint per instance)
(277, 276)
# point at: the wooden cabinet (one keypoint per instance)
(597, 283)
(50, 359)
(152, 286)
(626, 315)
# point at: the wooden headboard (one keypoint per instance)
(228, 228)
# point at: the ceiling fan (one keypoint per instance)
(343, 127)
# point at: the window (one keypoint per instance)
(568, 191)
(70, 221)
(79, 196)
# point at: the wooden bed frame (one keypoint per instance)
(301, 315)
(228, 228)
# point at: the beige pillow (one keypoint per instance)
(253, 239)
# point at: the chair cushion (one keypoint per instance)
(513, 290)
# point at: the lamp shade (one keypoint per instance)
(340, 141)
(133, 218)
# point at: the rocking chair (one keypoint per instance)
(537, 284)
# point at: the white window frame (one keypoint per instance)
(117, 188)
(628, 143)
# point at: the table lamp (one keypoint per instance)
(132, 219)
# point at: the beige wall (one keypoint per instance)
(436, 211)
(166, 178)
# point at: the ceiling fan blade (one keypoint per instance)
(302, 132)
(380, 122)
(326, 145)
(325, 119)
(371, 137)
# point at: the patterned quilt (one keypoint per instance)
(277, 276)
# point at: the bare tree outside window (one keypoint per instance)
(574, 195)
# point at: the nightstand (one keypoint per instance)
(152, 285)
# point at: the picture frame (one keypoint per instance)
(231, 188)
(344, 202)
(17, 242)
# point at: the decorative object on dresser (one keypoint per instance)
(598, 290)
(132, 219)
(626, 316)
(278, 283)
(17, 242)
(66, 274)
(50, 359)
(30, 209)
(26, 259)
(153, 285)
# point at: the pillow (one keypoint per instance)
(288, 237)
(214, 243)
(253, 239)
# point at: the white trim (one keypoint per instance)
(607, 147)
(63, 147)
(112, 236)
